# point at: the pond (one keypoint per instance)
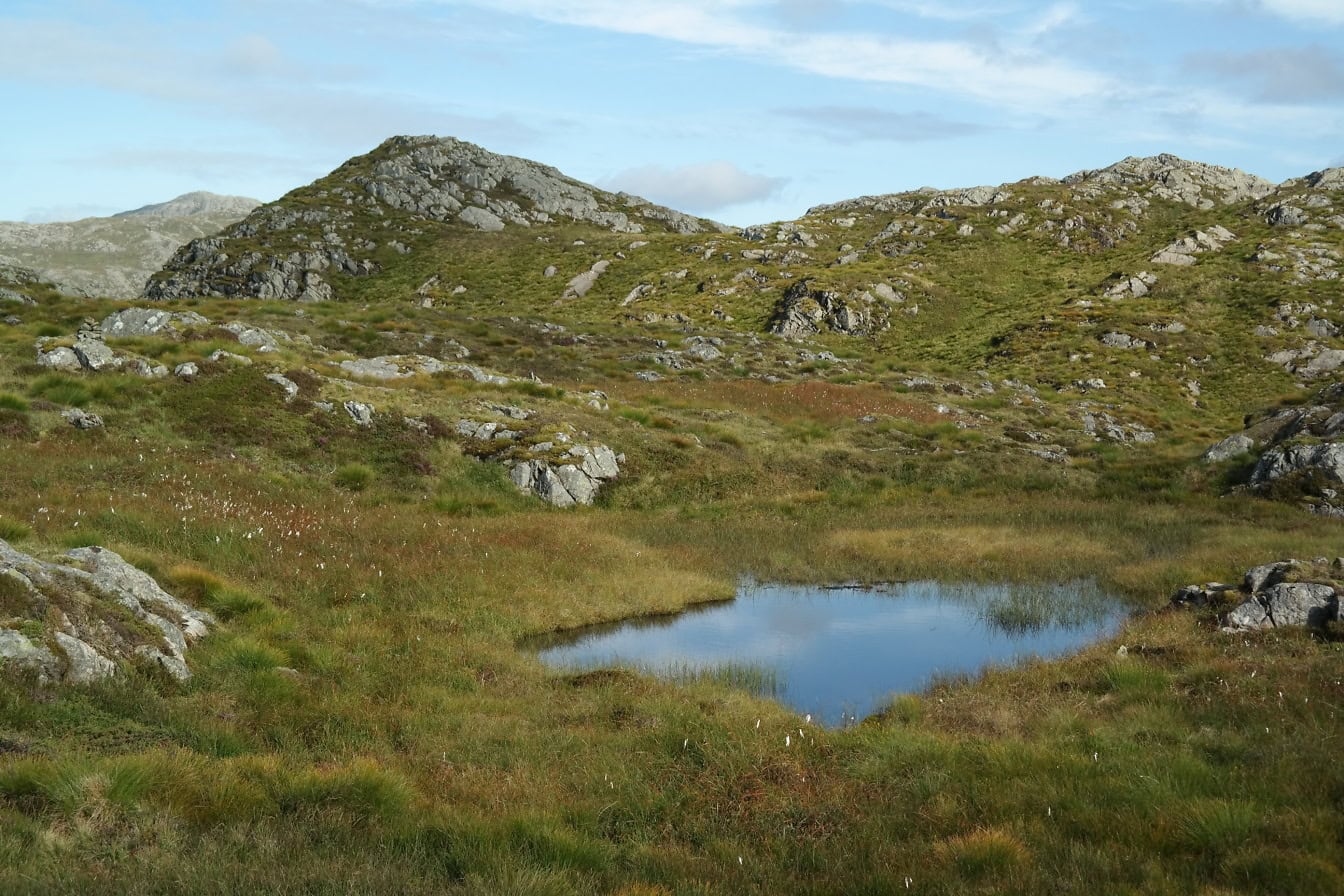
(840, 653)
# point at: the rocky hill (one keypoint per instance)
(408, 195)
(269, 570)
(112, 257)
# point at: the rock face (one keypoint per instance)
(95, 611)
(112, 257)
(334, 229)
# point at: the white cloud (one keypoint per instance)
(845, 123)
(1018, 78)
(705, 187)
(1328, 11)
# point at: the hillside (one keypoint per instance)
(278, 534)
(113, 257)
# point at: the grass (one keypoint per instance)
(363, 720)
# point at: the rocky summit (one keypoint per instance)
(405, 195)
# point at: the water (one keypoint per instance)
(841, 653)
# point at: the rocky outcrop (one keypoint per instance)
(804, 311)
(1175, 179)
(1296, 451)
(75, 621)
(133, 322)
(1182, 252)
(368, 212)
(1286, 593)
(574, 478)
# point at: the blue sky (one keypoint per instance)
(743, 110)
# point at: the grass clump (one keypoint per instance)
(354, 477)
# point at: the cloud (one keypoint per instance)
(1329, 11)
(705, 187)
(247, 81)
(1015, 77)
(1285, 75)
(846, 123)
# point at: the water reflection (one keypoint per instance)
(841, 652)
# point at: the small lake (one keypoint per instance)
(841, 653)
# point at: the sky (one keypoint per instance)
(745, 111)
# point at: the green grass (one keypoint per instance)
(363, 720)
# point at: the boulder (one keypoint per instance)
(1234, 445)
(17, 651)
(1326, 459)
(1282, 215)
(186, 369)
(94, 355)
(81, 419)
(290, 387)
(1296, 603)
(59, 358)
(359, 412)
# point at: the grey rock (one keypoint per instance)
(480, 219)
(84, 665)
(59, 358)
(186, 369)
(1286, 604)
(551, 271)
(583, 283)
(81, 419)
(1261, 577)
(133, 322)
(1234, 445)
(16, 649)
(137, 590)
(1136, 286)
(1281, 215)
(703, 351)
(255, 337)
(95, 355)
(1326, 459)
(290, 387)
(580, 486)
(393, 367)
(359, 412)
(220, 355)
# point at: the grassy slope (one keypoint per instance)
(414, 748)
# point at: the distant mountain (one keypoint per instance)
(199, 203)
(112, 257)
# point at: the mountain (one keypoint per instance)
(409, 195)
(114, 256)
(198, 203)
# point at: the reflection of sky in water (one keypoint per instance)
(843, 651)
